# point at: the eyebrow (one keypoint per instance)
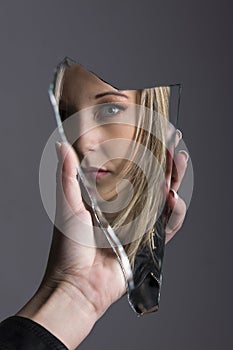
(116, 93)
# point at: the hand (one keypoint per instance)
(176, 167)
(80, 282)
(92, 271)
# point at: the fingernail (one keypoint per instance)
(186, 155)
(179, 134)
(174, 193)
(58, 147)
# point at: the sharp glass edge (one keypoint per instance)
(108, 232)
(110, 235)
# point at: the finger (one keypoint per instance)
(177, 216)
(178, 137)
(178, 169)
(169, 158)
(72, 218)
(69, 163)
(172, 199)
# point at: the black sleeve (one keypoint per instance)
(20, 333)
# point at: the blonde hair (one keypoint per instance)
(147, 198)
(152, 135)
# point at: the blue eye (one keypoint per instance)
(111, 110)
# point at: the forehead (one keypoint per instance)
(81, 87)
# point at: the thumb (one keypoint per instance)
(72, 218)
(67, 176)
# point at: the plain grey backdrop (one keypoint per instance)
(131, 44)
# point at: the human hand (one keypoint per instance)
(88, 268)
(175, 171)
(81, 281)
(73, 266)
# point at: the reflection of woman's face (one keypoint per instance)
(100, 147)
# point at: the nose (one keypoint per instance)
(89, 135)
(89, 139)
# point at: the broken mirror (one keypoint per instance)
(124, 140)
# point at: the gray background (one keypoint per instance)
(132, 45)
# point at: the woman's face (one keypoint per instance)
(104, 127)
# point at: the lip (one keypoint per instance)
(96, 173)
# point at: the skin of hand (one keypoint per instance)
(81, 282)
(176, 167)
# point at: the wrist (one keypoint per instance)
(64, 311)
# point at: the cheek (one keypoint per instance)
(119, 140)
(123, 131)
(119, 145)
